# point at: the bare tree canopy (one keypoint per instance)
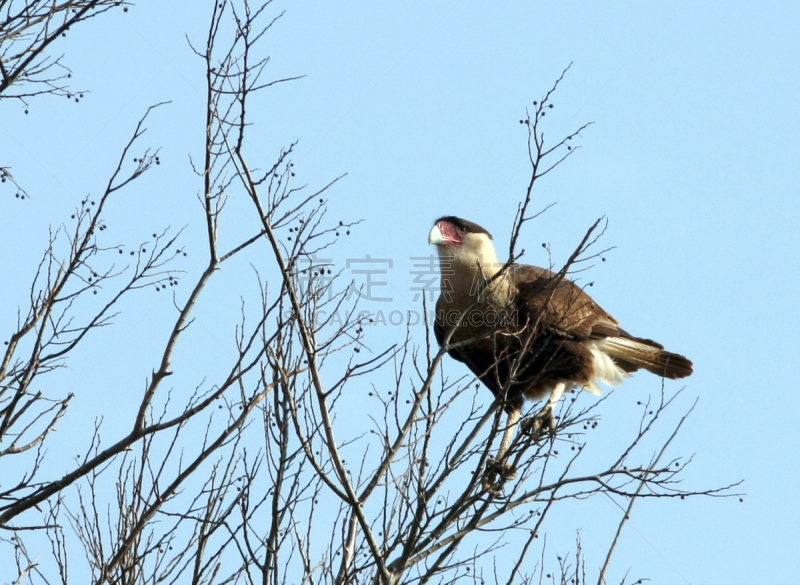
(314, 454)
(28, 32)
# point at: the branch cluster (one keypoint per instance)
(313, 457)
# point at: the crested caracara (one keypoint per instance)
(527, 332)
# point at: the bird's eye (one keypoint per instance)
(462, 230)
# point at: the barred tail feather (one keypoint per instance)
(633, 353)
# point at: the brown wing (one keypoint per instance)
(544, 341)
(560, 306)
(557, 305)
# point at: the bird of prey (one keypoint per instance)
(527, 332)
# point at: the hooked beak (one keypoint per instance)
(436, 236)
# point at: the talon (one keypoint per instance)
(496, 474)
(502, 468)
(542, 422)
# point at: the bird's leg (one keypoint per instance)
(508, 434)
(498, 471)
(544, 418)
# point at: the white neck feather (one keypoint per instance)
(467, 268)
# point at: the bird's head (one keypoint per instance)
(465, 244)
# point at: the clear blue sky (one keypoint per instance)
(693, 157)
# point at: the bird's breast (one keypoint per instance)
(474, 320)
